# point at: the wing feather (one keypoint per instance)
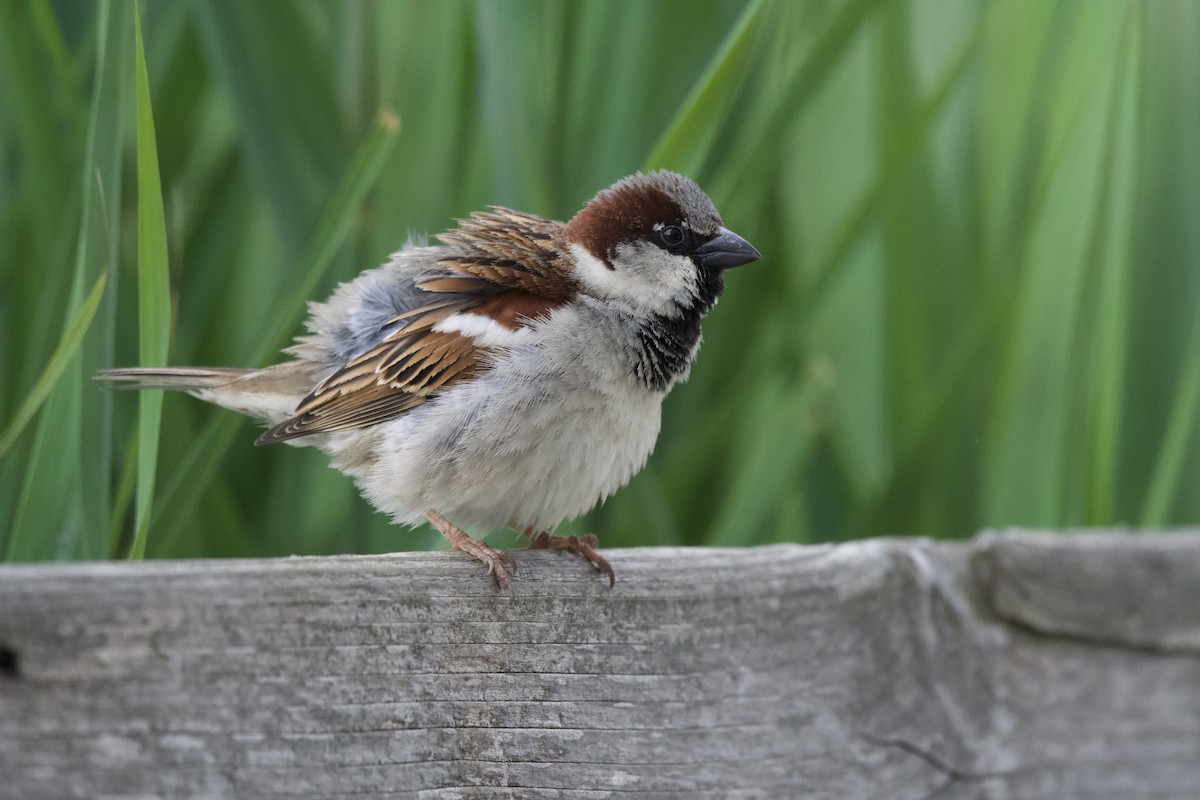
(503, 264)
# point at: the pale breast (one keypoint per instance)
(557, 424)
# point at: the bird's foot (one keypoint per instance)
(499, 564)
(582, 546)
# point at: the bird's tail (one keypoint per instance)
(185, 379)
(270, 394)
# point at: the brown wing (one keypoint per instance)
(511, 250)
(504, 265)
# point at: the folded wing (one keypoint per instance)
(503, 266)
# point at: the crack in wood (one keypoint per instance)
(929, 757)
(10, 662)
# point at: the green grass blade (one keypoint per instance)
(517, 91)
(289, 128)
(745, 161)
(332, 231)
(98, 253)
(154, 301)
(1032, 465)
(1177, 437)
(61, 504)
(903, 144)
(67, 347)
(192, 476)
(687, 138)
(1114, 263)
(122, 497)
(765, 460)
(977, 223)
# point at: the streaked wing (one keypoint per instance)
(510, 249)
(503, 265)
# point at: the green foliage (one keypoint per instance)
(977, 306)
(154, 301)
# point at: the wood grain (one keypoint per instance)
(1019, 665)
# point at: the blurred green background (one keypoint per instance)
(978, 302)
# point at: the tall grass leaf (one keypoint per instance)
(774, 440)
(1022, 49)
(99, 253)
(921, 440)
(685, 142)
(746, 161)
(977, 302)
(122, 497)
(182, 491)
(192, 476)
(74, 429)
(420, 194)
(516, 98)
(1033, 436)
(51, 519)
(31, 120)
(1178, 436)
(68, 346)
(332, 231)
(49, 35)
(154, 301)
(289, 127)
(902, 144)
(1160, 447)
(1114, 259)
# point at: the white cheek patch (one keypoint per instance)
(662, 284)
(600, 279)
(485, 331)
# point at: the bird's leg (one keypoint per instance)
(582, 546)
(499, 564)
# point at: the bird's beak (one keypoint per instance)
(726, 250)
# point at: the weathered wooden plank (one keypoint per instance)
(1020, 665)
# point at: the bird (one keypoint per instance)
(510, 375)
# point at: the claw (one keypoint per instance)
(498, 563)
(582, 546)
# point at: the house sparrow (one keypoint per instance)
(512, 375)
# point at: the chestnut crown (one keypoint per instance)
(661, 207)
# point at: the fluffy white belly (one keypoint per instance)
(534, 441)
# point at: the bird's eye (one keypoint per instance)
(671, 235)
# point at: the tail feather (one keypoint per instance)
(270, 394)
(180, 378)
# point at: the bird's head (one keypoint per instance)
(655, 242)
